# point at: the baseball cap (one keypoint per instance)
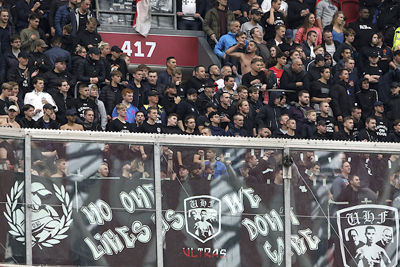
(115, 48)
(394, 85)
(153, 93)
(41, 43)
(373, 53)
(191, 91)
(319, 58)
(13, 107)
(94, 50)
(70, 112)
(23, 54)
(60, 59)
(48, 106)
(378, 103)
(321, 123)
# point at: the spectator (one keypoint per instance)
(255, 77)
(38, 60)
(6, 91)
(262, 47)
(263, 132)
(83, 101)
(278, 68)
(363, 28)
(309, 45)
(299, 109)
(228, 40)
(271, 19)
(328, 43)
(366, 98)
(341, 181)
(225, 110)
(202, 120)
(282, 129)
(30, 34)
(21, 74)
(78, 58)
(369, 132)
(92, 70)
(254, 100)
(27, 121)
(382, 124)
(198, 80)
(131, 110)
(295, 78)
(11, 57)
(245, 58)
(269, 114)
(279, 39)
(218, 167)
(249, 119)
(170, 100)
(372, 71)
(62, 99)
(187, 107)
(225, 71)
(255, 17)
(151, 125)
(315, 67)
(112, 93)
(101, 115)
(325, 10)
(217, 20)
(395, 135)
(237, 129)
(337, 26)
(79, 17)
(172, 125)
(24, 9)
(38, 98)
(266, 6)
(310, 124)
(165, 77)
(330, 122)
(70, 115)
(346, 133)
(52, 77)
(46, 121)
(190, 14)
(139, 119)
(393, 104)
(119, 124)
(356, 115)
(214, 126)
(320, 134)
(57, 52)
(6, 31)
(11, 121)
(214, 73)
(342, 95)
(61, 16)
(204, 98)
(89, 36)
(296, 13)
(291, 129)
(309, 24)
(349, 36)
(153, 100)
(117, 63)
(190, 125)
(320, 88)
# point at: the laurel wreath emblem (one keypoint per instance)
(17, 229)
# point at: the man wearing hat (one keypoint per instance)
(46, 121)
(372, 71)
(314, 68)
(92, 70)
(205, 97)
(170, 100)
(70, 114)
(320, 134)
(37, 59)
(255, 17)
(10, 121)
(116, 63)
(52, 78)
(393, 104)
(382, 124)
(187, 107)
(21, 74)
(153, 100)
(366, 98)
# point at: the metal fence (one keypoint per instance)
(110, 199)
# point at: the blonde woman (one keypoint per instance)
(337, 26)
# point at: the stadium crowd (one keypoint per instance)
(290, 69)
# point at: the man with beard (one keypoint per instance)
(331, 124)
(255, 17)
(382, 124)
(198, 80)
(245, 58)
(346, 133)
(299, 109)
(342, 95)
(369, 132)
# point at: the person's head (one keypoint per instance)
(67, 30)
(225, 99)
(6, 90)
(255, 15)
(251, 47)
(243, 92)
(80, 51)
(234, 26)
(379, 107)
(84, 6)
(338, 19)
(214, 118)
(200, 72)
(321, 126)
(116, 76)
(14, 88)
(190, 122)
(60, 65)
(153, 97)
(28, 110)
(256, 64)
(171, 63)
(328, 38)
(304, 98)
(309, 20)
(121, 110)
(229, 82)
(38, 84)
(61, 165)
(88, 115)
(281, 59)
(297, 65)
(191, 95)
(254, 94)
(349, 64)
(311, 115)
(356, 113)
(374, 39)
(276, 4)
(325, 73)
(364, 84)
(352, 235)
(40, 45)
(226, 70)
(373, 58)
(319, 50)
(4, 16)
(294, 54)
(13, 111)
(370, 124)
(23, 58)
(370, 234)
(84, 90)
(152, 113)
(15, 42)
(354, 181)
(206, 131)
(394, 88)
(348, 123)
(116, 52)
(103, 170)
(183, 172)
(349, 35)
(238, 120)
(152, 77)
(345, 168)
(127, 95)
(344, 75)
(138, 75)
(263, 132)
(139, 117)
(94, 53)
(34, 20)
(105, 48)
(214, 70)
(280, 31)
(172, 119)
(291, 124)
(387, 236)
(324, 107)
(274, 51)
(363, 13)
(256, 34)
(283, 119)
(93, 90)
(91, 24)
(243, 106)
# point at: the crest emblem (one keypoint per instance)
(203, 217)
(48, 228)
(369, 235)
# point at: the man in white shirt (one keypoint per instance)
(38, 98)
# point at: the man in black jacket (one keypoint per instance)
(342, 96)
(198, 81)
(345, 133)
(92, 70)
(270, 114)
(111, 93)
(62, 99)
(89, 37)
(295, 78)
(187, 107)
(52, 78)
(363, 27)
(369, 132)
(395, 135)
(393, 104)
(38, 60)
(83, 102)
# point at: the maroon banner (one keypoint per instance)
(154, 49)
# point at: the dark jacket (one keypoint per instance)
(308, 129)
(364, 30)
(366, 134)
(366, 99)
(61, 18)
(295, 20)
(23, 9)
(86, 38)
(62, 105)
(73, 19)
(211, 22)
(91, 69)
(269, 115)
(5, 35)
(290, 78)
(392, 107)
(342, 99)
(52, 80)
(393, 137)
(110, 97)
(39, 61)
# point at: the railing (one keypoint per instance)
(90, 199)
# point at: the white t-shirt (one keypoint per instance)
(188, 9)
(266, 6)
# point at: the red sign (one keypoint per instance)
(154, 49)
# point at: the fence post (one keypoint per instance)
(287, 176)
(157, 188)
(28, 199)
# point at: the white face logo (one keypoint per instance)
(48, 228)
(203, 217)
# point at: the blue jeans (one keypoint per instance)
(191, 25)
